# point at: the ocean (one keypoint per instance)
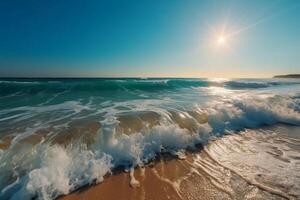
(60, 134)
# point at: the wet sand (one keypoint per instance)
(171, 178)
(196, 177)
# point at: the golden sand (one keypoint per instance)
(170, 178)
(196, 177)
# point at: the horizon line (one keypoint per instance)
(129, 77)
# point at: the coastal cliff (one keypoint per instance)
(288, 76)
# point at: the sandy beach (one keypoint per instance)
(196, 177)
(150, 100)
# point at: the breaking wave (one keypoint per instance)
(101, 85)
(50, 154)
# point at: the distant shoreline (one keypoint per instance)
(135, 77)
(288, 76)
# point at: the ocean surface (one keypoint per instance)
(57, 135)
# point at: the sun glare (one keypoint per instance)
(221, 40)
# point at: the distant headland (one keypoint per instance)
(288, 76)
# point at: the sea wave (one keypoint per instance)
(114, 85)
(127, 138)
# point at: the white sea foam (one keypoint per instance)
(68, 105)
(46, 171)
(21, 82)
(257, 156)
(60, 171)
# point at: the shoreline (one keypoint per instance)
(198, 176)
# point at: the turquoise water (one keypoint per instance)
(136, 119)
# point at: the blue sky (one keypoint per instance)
(177, 38)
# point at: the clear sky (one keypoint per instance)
(182, 38)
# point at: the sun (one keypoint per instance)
(221, 40)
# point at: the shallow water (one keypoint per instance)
(267, 158)
(253, 164)
(60, 134)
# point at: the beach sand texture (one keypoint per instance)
(200, 175)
